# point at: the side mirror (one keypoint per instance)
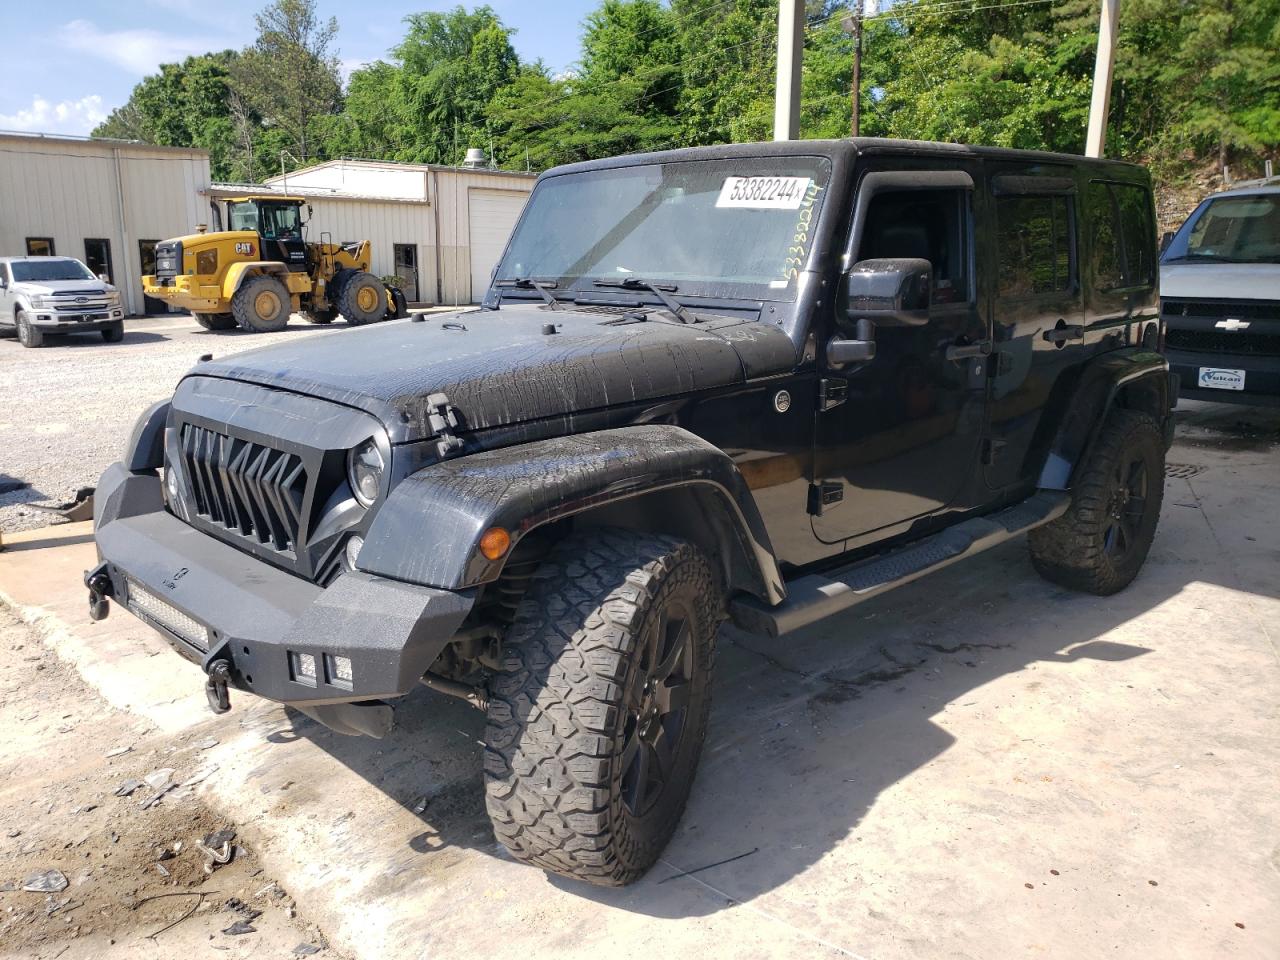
(104, 278)
(890, 293)
(1166, 238)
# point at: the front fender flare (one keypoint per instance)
(429, 529)
(240, 271)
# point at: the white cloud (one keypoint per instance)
(139, 51)
(67, 116)
(347, 67)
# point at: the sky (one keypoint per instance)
(66, 68)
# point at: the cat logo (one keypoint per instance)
(245, 248)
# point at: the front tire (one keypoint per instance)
(363, 299)
(1100, 543)
(215, 321)
(597, 718)
(28, 335)
(113, 333)
(262, 305)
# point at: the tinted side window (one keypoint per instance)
(1034, 245)
(1134, 204)
(1122, 236)
(930, 224)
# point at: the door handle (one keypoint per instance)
(1064, 333)
(963, 351)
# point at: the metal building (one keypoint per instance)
(105, 202)
(108, 202)
(403, 208)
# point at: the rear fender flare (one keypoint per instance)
(428, 531)
(1131, 379)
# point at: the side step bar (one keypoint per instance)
(815, 597)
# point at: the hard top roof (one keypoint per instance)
(850, 148)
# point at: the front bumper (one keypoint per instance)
(1261, 376)
(185, 292)
(68, 321)
(260, 619)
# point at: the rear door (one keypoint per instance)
(1038, 312)
(904, 441)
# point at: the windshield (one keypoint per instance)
(1231, 230)
(715, 228)
(49, 270)
(279, 220)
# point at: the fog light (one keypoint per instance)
(352, 553)
(339, 670)
(171, 484)
(303, 667)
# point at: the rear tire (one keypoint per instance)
(400, 303)
(113, 333)
(28, 335)
(215, 321)
(1099, 545)
(597, 718)
(363, 299)
(262, 305)
(319, 317)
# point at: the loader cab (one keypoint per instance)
(279, 224)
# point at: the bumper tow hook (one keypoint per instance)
(99, 585)
(215, 687)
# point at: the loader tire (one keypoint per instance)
(597, 717)
(215, 321)
(262, 305)
(363, 299)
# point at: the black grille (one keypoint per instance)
(250, 489)
(1219, 341)
(168, 259)
(1222, 309)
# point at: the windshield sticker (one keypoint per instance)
(799, 249)
(763, 193)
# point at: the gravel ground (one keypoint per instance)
(66, 410)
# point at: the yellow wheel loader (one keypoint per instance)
(260, 269)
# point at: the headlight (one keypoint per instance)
(43, 303)
(364, 471)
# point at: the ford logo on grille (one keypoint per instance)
(82, 299)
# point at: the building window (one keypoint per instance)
(1034, 246)
(97, 257)
(40, 247)
(1124, 238)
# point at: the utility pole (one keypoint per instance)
(853, 24)
(786, 102)
(1100, 104)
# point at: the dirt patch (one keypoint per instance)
(105, 815)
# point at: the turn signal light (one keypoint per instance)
(495, 542)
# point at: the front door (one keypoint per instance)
(903, 441)
(6, 296)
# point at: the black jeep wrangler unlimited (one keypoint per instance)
(760, 382)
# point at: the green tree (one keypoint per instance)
(290, 76)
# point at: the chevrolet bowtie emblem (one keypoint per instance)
(1232, 324)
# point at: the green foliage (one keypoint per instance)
(1194, 80)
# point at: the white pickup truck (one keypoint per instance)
(51, 296)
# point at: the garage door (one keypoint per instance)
(492, 214)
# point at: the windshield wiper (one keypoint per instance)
(1209, 257)
(527, 283)
(660, 290)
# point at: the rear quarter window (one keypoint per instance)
(1122, 247)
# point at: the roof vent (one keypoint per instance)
(475, 159)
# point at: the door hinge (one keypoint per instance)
(991, 448)
(823, 494)
(832, 392)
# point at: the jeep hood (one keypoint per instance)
(499, 367)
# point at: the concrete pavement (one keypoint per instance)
(978, 765)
